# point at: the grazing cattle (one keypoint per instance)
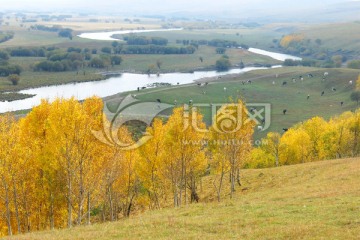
(224, 89)
(273, 82)
(138, 89)
(158, 100)
(300, 77)
(333, 89)
(350, 82)
(143, 88)
(285, 129)
(190, 102)
(322, 93)
(284, 111)
(199, 84)
(326, 74)
(294, 80)
(341, 103)
(263, 121)
(310, 75)
(249, 81)
(206, 83)
(284, 83)
(260, 128)
(308, 96)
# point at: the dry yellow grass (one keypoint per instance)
(318, 200)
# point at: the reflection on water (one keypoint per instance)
(111, 86)
(125, 82)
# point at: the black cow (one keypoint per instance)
(285, 129)
(284, 83)
(322, 93)
(158, 100)
(341, 103)
(284, 111)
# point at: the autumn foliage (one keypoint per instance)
(312, 140)
(287, 40)
(56, 174)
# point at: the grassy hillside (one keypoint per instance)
(317, 200)
(335, 36)
(292, 97)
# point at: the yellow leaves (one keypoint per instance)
(259, 158)
(288, 39)
(313, 140)
(295, 147)
(53, 152)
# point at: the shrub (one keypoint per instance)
(14, 79)
(223, 64)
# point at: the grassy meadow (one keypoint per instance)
(318, 200)
(292, 97)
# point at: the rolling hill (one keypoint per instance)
(318, 200)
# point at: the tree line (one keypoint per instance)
(6, 36)
(311, 140)
(56, 174)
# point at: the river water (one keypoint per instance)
(123, 83)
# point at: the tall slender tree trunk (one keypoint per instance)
(238, 178)
(52, 220)
(15, 195)
(69, 202)
(7, 206)
(218, 189)
(81, 197)
(88, 209)
(111, 210)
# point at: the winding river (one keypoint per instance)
(122, 83)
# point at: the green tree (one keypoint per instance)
(4, 55)
(14, 79)
(223, 64)
(220, 50)
(106, 50)
(116, 60)
(355, 97)
(355, 64)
